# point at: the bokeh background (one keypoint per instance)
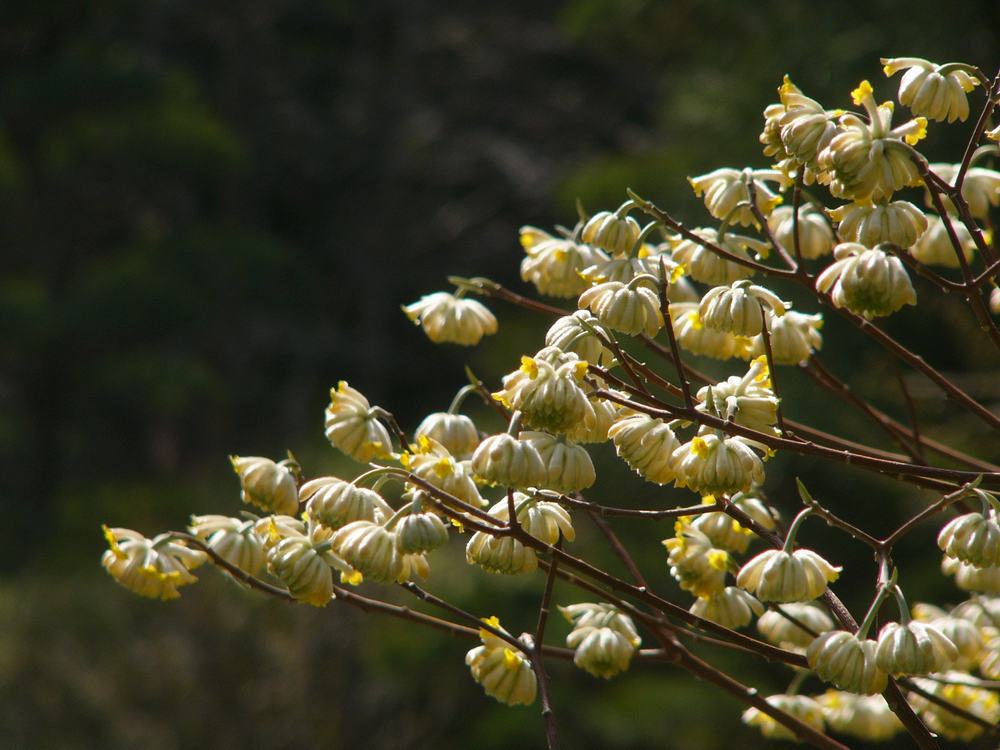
(211, 212)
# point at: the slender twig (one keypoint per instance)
(619, 549)
(548, 713)
(979, 721)
(911, 410)
(769, 354)
(668, 323)
(765, 227)
(833, 520)
(926, 513)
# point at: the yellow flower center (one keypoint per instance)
(699, 447)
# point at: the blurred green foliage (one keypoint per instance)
(210, 212)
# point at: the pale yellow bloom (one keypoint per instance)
(739, 308)
(870, 224)
(711, 464)
(694, 337)
(914, 648)
(867, 282)
(268, 485)
(794, 337)
(847, 661)
(934, 248)
(456, 432)
(731, 608)
(503, 671)
(605, 639)
(929, 92)
(631, 308)
(448, 319)
(708, 267)
(779, 576)
(646, 444)
(334, 502)
(726, 189)
(353, 427)
(154, 568)
(801, 707)
(553, 264)
(866, 717)
(815, 235)
(781, 631)
(568, 466)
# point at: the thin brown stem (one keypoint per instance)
(911, 409)
(548, 713)
(668, 323)
(766, 336)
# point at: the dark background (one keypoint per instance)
(211, 212)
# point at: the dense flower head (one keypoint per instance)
(815, 235)
(505, 460)
(542, 519)
(612, 232)
(578, 334)
(503, 670)
(695, 563)
(724, 531)
(370, 549)
(568, 466)
(352, 425)
(866, 717)
(972, 578)
(800, 706)
(779, 576)
(739, 308)
(631, 308)
(804, 127)
(785, 632)
(748, 400)
(914, 648)
(967, 636)
(694, 337)
(594, 427)
(983, 703)
(980, 189)
(866, 281)
(727, 196)
(935, 248)
(432, 462)
(870, 224)
(268, 485)
(713, 464)
(973, 538)
(233, 539)
(794, 338)
(154, 568)
(451, 319)
(646, 444)
(455, 432)
(938, 92)
(420, 532)
(334, 502)
(546, 390)
(731, 608)
(708, 267)
(553, 264)
(604, 638)
(847, 661)
(305, 565)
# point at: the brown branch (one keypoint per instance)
(548, 714)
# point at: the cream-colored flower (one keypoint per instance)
(794, 337)
(866, 717)
(731, 608)
(801, 707)
(504, 671)
(867, 282)
(935, 91)
(154, 568)
(232, 539)
(981, 611)
(972, 538)
(696, 565)
(546, 390)
(727, 197)
(631, 308)
(576, 334)
(782, 631)
(988, 656)
(779, 576)
(504, 460)
(450, 319)
(983, 703)
(914, 648)
(420, 532)
(739, 308)
(268, 485)
(971, 578)
(967, 637)
(708, 267)
(544, 520)
(694, 337)
(594, 429)
(847, 661)
(749, 400)
(605, 639)
(568, 466)
(553, 264)
(867, 160)
(272, 529)
(504, 554)
(612, 232)
(934, 248)
(303, 564)
(870, 224)
(980, 188)
(646, 444)
(724, 532)
(353, 427)
(370, 549)
(711, 464)
(432, 462)
(334, 502)
(805, 127)
(815, 235)
(456, 432)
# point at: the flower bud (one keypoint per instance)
(611, 232)
(914, 648)
(781, 631)
(352, 425)
(714, 465)
(972, 538)
(710, 268)
(605, 639)
(739, 308)
(982, 703)
(794, 337)
(726, 189)
(267, 485)
(568, 466)
(971, 578)
(546, 390)
(965, 635)
(432, 462)
(570, 334)
(448, 319)
(306, 572)
(731, 608)
(805, 127)
(934, 248)
(847, 661)
(865, 717)
(694, 337)
(420, 532)
(503, 459)
(815, 236)
(866, 282)
(370, 549)
(631, 308)
(504, 554)
(504, 672)
(232, 539)
(154, 568)
(646, 444)
(724, 532)
(926, 91)
(335, 503)
(553, 264)
(802, 708)
(779, 576)
(748, 401)
(456, 432)
(541, 519)
(594, 428)
(868, 224)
